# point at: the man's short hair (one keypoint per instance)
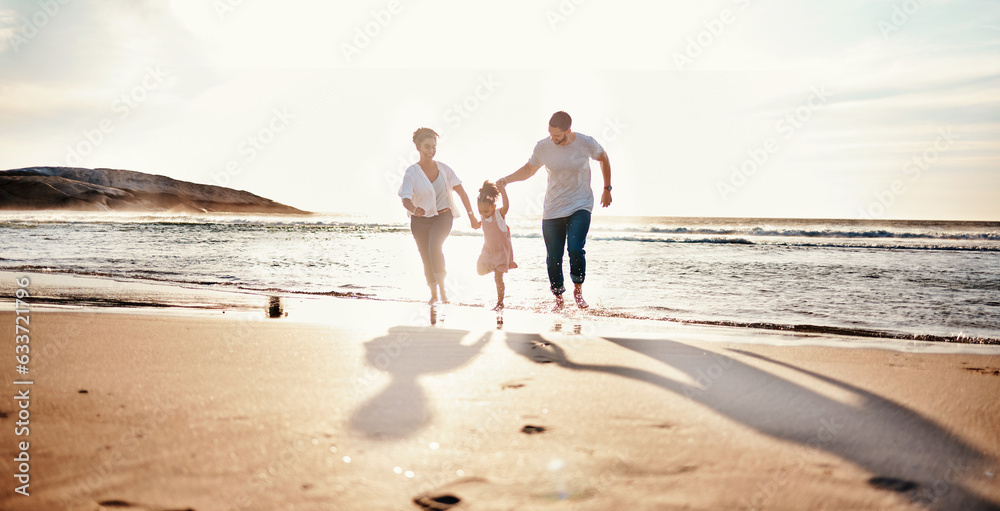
(561, 120)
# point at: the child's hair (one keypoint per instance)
(489, 193)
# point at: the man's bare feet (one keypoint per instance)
(559, 303)
(578, 296)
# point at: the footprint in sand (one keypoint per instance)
(121, 504)
(544, 355)
(440, 502)
(987, 370)
(892, 484)
(513, 384)
(532, 430)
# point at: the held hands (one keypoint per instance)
(418, 212)
(475, 223)
(501, 183)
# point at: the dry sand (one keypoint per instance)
(363, 405)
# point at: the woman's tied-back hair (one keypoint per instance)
(489, 193)
(423, 133)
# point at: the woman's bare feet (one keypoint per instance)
(559, 304)
(578, 296)
(444, 296)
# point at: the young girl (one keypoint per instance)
(497, 255)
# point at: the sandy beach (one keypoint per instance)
(358, 404)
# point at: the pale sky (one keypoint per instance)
(784, 108)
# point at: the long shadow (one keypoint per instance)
(407, 353)
(907, 452)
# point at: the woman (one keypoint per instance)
(426, 194)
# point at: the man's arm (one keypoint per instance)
(520, 174)
(606, 171)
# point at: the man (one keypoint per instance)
(569, 199)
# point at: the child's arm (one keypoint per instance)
(506, 202)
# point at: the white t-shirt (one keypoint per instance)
(568, 189)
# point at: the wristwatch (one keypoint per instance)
(608, 188)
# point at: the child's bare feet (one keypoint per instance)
(434, 296)
(501, 289)
(578, 296)
(444, 297)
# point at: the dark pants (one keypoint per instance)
(569, 232)
(430, 234)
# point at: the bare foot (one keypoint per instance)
(578, 296)
(498, 307)
(444, 297)
(559, 304)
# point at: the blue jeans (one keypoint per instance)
(569, 232)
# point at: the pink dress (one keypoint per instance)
(497, 255)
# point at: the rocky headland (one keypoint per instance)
(82, 189)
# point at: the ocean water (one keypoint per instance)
(902, 279)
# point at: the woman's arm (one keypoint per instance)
(408, 204)
(468, 206)
(406, 193)
(506, 202)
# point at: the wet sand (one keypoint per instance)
(356, 404)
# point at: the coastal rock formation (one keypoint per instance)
(82, 189)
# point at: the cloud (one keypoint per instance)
(67, 63)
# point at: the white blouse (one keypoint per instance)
(420, 190)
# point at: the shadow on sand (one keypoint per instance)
(907, 452)
(407, 353)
